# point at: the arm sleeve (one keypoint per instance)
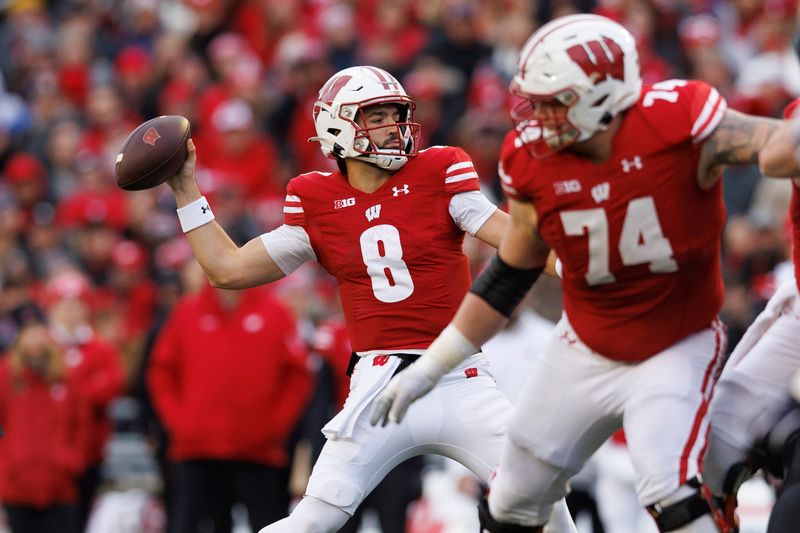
(470, 210)
(460, 175)
(289, 247)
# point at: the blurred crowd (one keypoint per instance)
(108, 272)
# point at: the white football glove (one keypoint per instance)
(409, 385)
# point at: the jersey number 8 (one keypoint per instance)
(383, 256)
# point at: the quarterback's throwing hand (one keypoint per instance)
(406, 387)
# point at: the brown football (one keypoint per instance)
(153, 152)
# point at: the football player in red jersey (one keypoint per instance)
(622, 181)
(389, 226)
(750, 403)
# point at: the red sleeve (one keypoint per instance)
(164, 372)
(296, 379)
(511, 167)
(293, 207)
(693, 109)
(460, 175)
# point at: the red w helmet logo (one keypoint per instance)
(151, 136)
(599, 60)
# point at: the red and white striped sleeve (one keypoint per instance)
(708, 109)
(293, 214)
(460, 175)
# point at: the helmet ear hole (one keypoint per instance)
(600, 101)
(334, 131)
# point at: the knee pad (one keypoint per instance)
(674, 516)
(490, 525)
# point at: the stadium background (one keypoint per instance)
(77, 75)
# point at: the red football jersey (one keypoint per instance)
(638, 238)
(396, 253)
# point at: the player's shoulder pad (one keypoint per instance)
(682, 109)
(516, 164)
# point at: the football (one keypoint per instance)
(153, 152)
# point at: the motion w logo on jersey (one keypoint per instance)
(601, 192)
(373, 212)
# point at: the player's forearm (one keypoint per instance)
(214, 250)
(475, 323)
(778, 158)
(477, 320)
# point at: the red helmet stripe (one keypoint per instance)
(390, 83)
(332, 88)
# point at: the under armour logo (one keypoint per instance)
(471, 372)
(396, 191)
(601, 192)
(205, 209)
(635, 163)
(380, 360)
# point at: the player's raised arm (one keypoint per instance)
(736, 141)
(226, 265)
(494, 296)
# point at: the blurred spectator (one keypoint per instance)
(237, 154)
(95, 366)
(45, 422)
(228, 377)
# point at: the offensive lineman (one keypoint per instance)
(622, 181)
(389, 226)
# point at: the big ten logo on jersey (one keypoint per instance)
(347, 202)
(373, 212)
(566, 187)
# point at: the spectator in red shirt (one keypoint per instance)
(238, 154)
(95, 367)
(45, 421)
(229, 379)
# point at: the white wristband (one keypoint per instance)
(195, 214)
(449, 349)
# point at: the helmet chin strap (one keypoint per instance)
(384, 161)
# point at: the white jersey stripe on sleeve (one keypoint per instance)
(292, 198)
(713, 123)
(509, 189)
(458, 166)
(292, 209)
(708, 109)
(461, 177)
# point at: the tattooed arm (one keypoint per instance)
(736, 141)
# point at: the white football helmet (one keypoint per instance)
(341, 103)
(587, 63)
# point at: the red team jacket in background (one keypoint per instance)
(229, 385)
(638, 239)
(396, 252)
(44, 447)
(333, 344)
(96, 367)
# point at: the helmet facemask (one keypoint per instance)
(544, 124)
(404, 131)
